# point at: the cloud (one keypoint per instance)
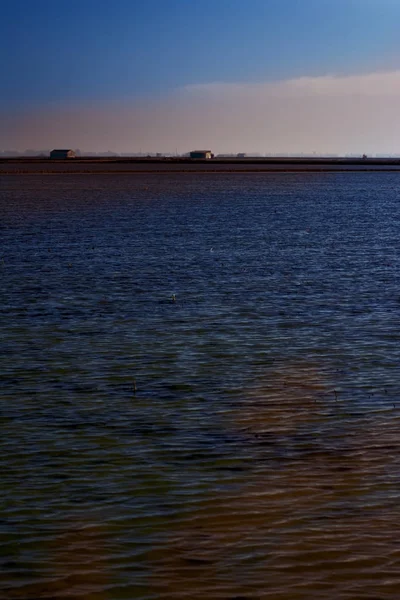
(356, 113)
(368, 85)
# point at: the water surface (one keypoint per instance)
(237, 440)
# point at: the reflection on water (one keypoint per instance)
(74, 564)
(284, 399)
(240, 442)
(314, 513)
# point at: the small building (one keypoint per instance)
(62, 154)
(201, 154)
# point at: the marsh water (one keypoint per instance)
(199, 386)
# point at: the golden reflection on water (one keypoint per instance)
(320, 522)
(76, 565)
(283, 401)
(319, 525)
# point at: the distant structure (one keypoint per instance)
(201, 154)
(62, 154)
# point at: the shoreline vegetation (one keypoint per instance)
(139, 165)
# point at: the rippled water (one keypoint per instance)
(240, 442)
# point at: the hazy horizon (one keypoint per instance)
(263, 79)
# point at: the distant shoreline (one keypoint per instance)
(158, 166)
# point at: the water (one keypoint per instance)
(241, 441)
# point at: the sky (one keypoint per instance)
(266, 76)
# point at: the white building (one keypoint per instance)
(201, 154)
(62, 154)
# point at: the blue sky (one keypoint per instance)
(79, 53)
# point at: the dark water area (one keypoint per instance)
(199, 386)
(162, 166)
